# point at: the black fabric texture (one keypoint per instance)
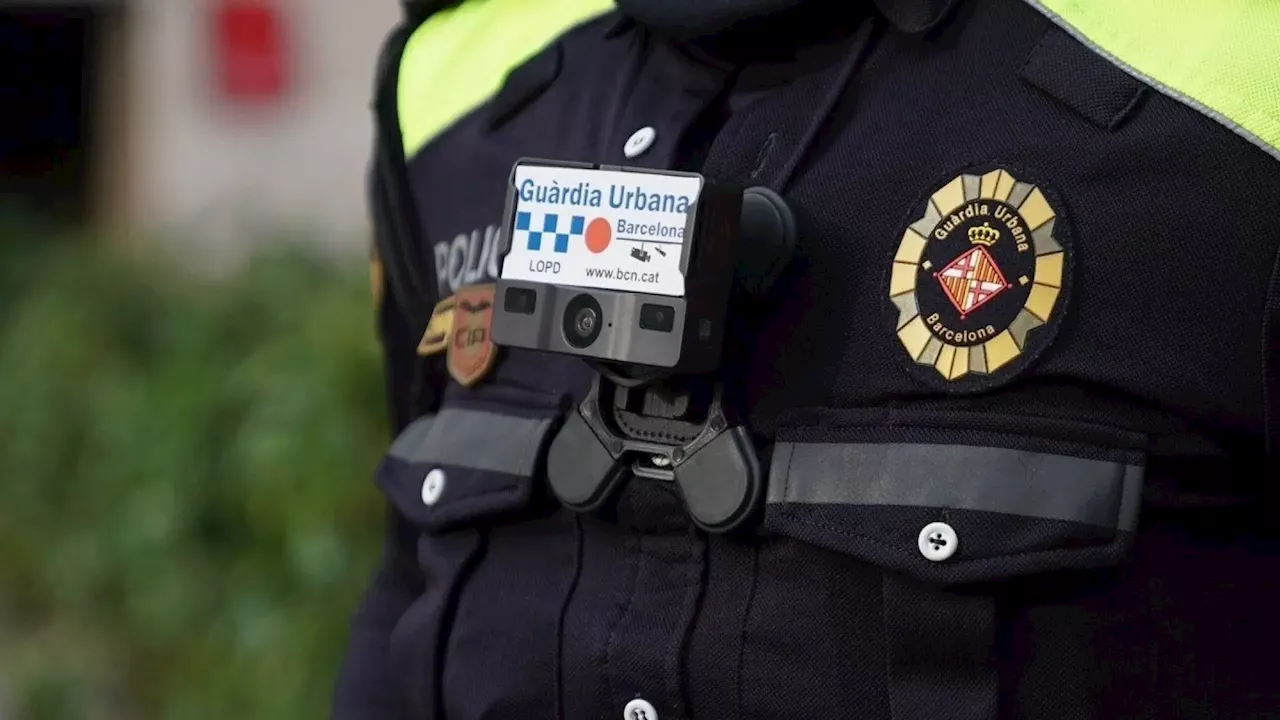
(814, 604)
(512, 654)
(1064, 68)
(445, 561)
(916, 16)
(941, 656)
(693, 18)
(1182, 630)
(709, 18)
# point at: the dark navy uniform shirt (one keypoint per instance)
(1009, 392)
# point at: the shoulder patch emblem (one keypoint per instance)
(471, 351)
(979, 281)
(436, 337)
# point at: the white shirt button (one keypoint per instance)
(938, 541)
(640, 141)
(639, 709)
(432, 486)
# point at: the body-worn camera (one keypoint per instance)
(633, 267)
(636, 269)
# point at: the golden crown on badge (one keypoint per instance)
(984, 235)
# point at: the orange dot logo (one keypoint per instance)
(599, 235)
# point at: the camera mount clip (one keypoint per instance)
(713, 464)
(671, 428)
(650, 276)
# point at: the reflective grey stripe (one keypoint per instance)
(473, 439)
(1014, 482)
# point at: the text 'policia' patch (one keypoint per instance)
(979, 281)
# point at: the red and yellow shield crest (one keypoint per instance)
(471, 351)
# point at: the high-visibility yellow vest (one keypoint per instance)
(459, 57)
(1221, 57)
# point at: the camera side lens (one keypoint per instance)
(522, 301)
(582, 322)
(658, 318)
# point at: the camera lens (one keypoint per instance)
(582, 321)
(586, 321)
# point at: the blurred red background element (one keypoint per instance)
(251, 51)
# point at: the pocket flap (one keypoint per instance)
(1008, 511)
(462, 465)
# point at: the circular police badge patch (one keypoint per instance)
(979, 280)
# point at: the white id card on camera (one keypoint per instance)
(604, 229)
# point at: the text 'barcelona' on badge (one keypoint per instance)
(471, 350)
(436, 337)
(979, 280)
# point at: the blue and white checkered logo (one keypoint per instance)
(533, 229)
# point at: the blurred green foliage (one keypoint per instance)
(186, 516)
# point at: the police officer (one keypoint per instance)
(1017, 392)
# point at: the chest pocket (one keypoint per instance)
(960, 509)
(469, 481)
